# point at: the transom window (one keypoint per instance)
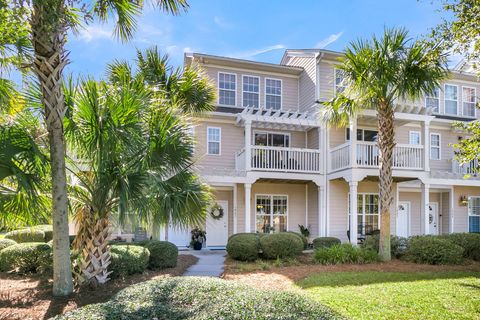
(434, 146)
(213, 140)
(251, 90)
(468, 99)
(340, 83)
(273, 94)
(368, 213)
(364, 135)
(474, 214)
(271, 213)
(227, 88)
(451, 99)
(433, 100)
(414, 138)
(272, 139)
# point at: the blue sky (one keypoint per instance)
(258, 30)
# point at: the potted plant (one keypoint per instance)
(199, 236)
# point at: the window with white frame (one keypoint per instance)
(414, 138)
(368, 213)
(468, 101)
(433, 100)
(271, 213)
(227, 88)
(474, 214)
(451, 99)
(340, 83)
(251, 90)
(272, 139)
(213, 140)
(435, 146)
(273, 94)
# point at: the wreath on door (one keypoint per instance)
(216, 212)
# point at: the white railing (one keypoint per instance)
(340, 157)
(468, 168)
(285, 159)
(408, 156)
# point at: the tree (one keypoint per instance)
(136, 153)
(379, 72)
(49, 22)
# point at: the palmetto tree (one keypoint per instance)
(379, 72)
(49, 22)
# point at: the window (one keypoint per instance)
(273, 94)
(368, 211)
(227, 88)
(468, 99)
(451, 99)
(433, 101)
(251, 89)
(213, 140)
(272, 139)
(474, 214)
(414, 138)
(340, 83)
(364, 135)
(434, 146)
(271, 213)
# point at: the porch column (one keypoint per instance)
(235, 204)
(353, 142)
(426, 145)
(426, 207)
(353, 212)
(248, 206)
(248, 144)
(163, 233)
(451, 210)
(322, 219)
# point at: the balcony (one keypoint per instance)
(279, 159)
(471, 168)
(405, 156)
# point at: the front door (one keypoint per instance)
(403, 219)
(217, 227)
(433, 218)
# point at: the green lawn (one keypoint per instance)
(396, 295)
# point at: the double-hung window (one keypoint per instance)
(227, 88)
(474, 214)
(468, 101)
(251, 90)
(273, 94)
(271, 213)
(451, 99)
(414, 138)
(433, 100)
(435, 146)
(340, 83)
(213, 140)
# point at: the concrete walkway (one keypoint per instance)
(210, 263)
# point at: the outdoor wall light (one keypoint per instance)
(463, 200)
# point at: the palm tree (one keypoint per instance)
(379, 72)
(49, 22)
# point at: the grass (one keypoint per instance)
(397, 295)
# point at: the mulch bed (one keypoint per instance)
(282, 278)
(30, 297)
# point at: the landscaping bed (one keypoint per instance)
(30, 296)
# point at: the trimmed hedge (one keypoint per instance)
(201, 298)
(27, 257)
(244, 246)
(126, 260)
(398, 245)
(302, 237)
(163, 254)
(433, 250)
(470, 242)
(47, 230)
(345, 253)
(26, 235)
(281, 245)
(4, 243)
(325, 242)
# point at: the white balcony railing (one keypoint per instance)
(470, 168)
(340, 157)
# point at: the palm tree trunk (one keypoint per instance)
(386, 137)
(48, 38)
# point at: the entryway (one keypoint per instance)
(403, 219)
(433, 218)
(217, 226)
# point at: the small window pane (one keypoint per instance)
(251, 89)
(227, 89)
(451, 99)
(213, 140)
(415, 138)
(433, 101)
(273, 94)
(469, 99)
(435, 147)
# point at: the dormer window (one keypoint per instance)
(227, 88)
(451, 99)
(273, 94)
(251, 91)
(433, 100)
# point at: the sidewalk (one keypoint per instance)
(210, 263)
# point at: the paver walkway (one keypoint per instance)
(210, 263)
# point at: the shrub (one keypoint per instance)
(398, 245)
(281, 245)
(4, 243)
(197, 298)
(433, 250)
(302, 237)
(26, 235)
(126, 260)
(325, 242)
(470, 242)
(244, 246)
(26, 257)
(345, 253)
(47, 230)
(163, 254)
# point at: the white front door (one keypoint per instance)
(433, 218)
(403, 219)
(178, 236)
(217, 228)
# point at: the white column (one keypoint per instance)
(426, 145)
(353, 212)
(306, 205)
(248, 145)
(248, 206)
(235, 205)
(163, 233)
(426, 207)
(451, 210)
(322, 218)
(353, 142)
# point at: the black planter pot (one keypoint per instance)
(197, 246)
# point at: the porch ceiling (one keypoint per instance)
(278, 119)
(290, 181)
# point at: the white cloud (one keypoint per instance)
(219, 21)
(328, 40)
(255, 52)
(95, 32)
